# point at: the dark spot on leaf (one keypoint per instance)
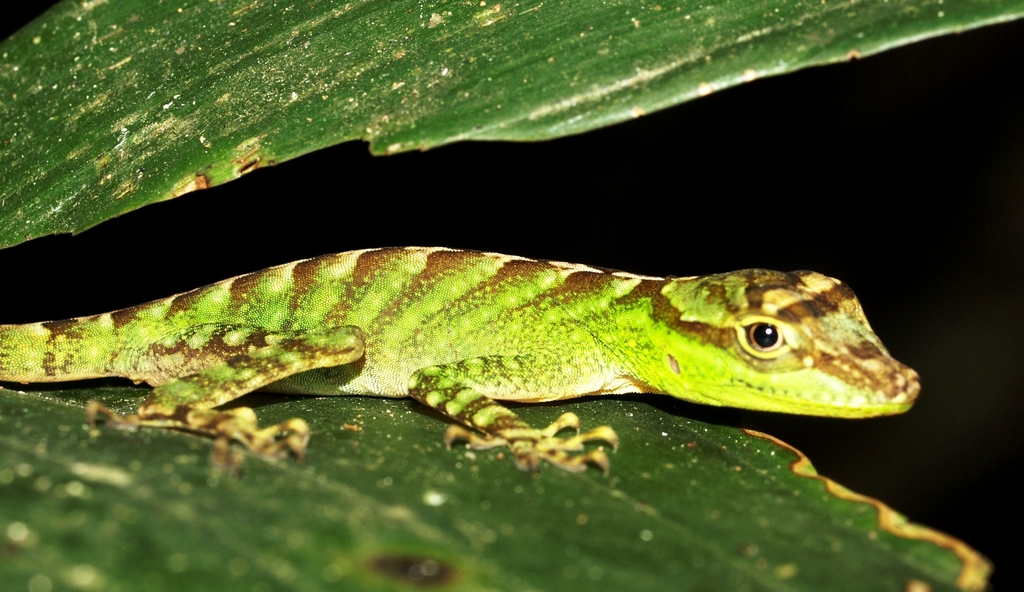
(247, 167)
(249, 157)
(9, 550)
(190, 184)
(421, 571)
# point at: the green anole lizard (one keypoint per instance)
(461, 330)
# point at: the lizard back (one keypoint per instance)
(418, 307)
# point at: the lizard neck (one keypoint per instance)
(645, 338)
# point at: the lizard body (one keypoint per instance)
(460, 330)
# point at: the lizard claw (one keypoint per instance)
(566, 420)
(274, 442)
(529, 460)
(238, 425)
(121, 422)
(529, 447)
(457, 433)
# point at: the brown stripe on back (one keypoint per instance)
(372, 262)
(186, 301)
(304, 278)
(581, 283)
(516, 272)
(367, 265)
(125, 316)
(62, 328)
(590, 283)
(70, 330)
(439, 262)
(243, 285)
(512, 273)
(67, 329)
(646, 290)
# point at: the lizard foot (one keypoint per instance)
(231, 425)
(530, 446)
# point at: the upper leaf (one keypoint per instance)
(108, 106)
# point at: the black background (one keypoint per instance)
(900, 174)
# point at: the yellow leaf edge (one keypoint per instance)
(976, 567)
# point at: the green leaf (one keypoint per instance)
(108, 106)
(380, 504)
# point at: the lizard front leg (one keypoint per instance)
(460, 391)
(187, 403)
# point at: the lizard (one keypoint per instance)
(460, 331)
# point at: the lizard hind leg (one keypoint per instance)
(188, 403)
(457, 390)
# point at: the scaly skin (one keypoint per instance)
(461, 330)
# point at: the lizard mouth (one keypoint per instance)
(886, 392)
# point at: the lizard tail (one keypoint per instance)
(55, 351)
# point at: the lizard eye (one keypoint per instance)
(764, 337)
(762, 340)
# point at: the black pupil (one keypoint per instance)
(764, 336)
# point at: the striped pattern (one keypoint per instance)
(419, 307)
(586, 331)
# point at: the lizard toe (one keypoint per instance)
(529, 450)
(457, 433)
(578, 463)
(565, 421)
(95, 409)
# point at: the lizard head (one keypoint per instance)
(793, 342)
